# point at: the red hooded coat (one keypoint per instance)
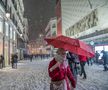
(60, 73)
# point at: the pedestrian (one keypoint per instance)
(83, 60)
(89, 61)
(60, 73)
(15, 60)
(1, 61)
(31, 57)
(12, 60)
(97, 57)
(72, 61)
(105, 60)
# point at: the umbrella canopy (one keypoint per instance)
(73, 45)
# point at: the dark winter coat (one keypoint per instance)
(105, 57)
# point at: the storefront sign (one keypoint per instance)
(86, 23)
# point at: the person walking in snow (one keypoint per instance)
(72, 61)
(31, 58)
(14, 60)
(83, 60)
(1, 61)
(97, 57)
(60, 73)
(105, 60)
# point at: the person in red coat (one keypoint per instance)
(60, 73)
(83, 60)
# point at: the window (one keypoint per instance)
(14, 35)
(15, 5)
(106, 48)
(10, 10)
(11, 33)
(13, 18)
(4, 2)
(1, 26)
(53, 26)
(13, 1)
(7, 29)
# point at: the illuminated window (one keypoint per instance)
(106, 48)
(7, 29)
(14, 35)
(11, 32)
(1, 26)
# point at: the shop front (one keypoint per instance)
(100, 48)
(1, 36)
(6, 53)
(1, 46)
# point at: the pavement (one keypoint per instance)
(34, 76)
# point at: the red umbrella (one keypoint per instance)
(73, 45)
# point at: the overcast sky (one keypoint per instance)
(39, 13)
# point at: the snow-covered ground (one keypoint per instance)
(34, 76)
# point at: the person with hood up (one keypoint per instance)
(105, 60)
(60, 73)
(83, 60)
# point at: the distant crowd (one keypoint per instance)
(73, 60)
(36, 56)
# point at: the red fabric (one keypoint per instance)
(73, 45)
(61, 73)
(82, 58)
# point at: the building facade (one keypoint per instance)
(51, 31)
(84, 19)
(26, 34)
(11, 28)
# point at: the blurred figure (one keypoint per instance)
(1, 61)
(14, 60)
(73, 61)
(59, 72)
(83, 60)
(97, 56)
(31, 58)
(89, 61)
(105, 59)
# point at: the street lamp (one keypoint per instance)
(40, 35)
(21, 35)
(8, 15)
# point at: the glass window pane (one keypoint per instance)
(1, 26)
(10, 32)
(98, 48)
(6, 29)
(106, 48)
(14, 35)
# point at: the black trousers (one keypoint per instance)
(105, 65)
(82, 64)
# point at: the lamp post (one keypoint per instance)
(21, 35)
(8, 15)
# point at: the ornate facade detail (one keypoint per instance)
(86, 23)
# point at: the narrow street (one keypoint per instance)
(33, 76)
